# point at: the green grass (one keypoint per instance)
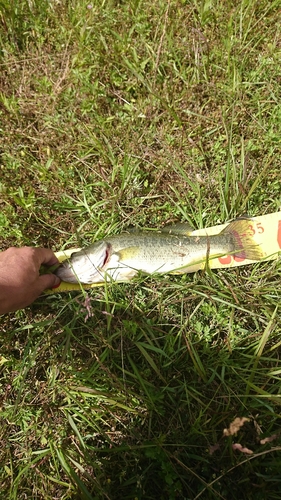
(140, 114)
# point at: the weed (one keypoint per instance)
(119, 114)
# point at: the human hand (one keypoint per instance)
(20, 282)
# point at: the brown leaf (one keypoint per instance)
(269, 439)
(235, 426)
(238, 446)
(214, 448)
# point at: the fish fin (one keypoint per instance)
(131, 229)
(180, 228)
(245, 247)
(241, 217)
(127, 253)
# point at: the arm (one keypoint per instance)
(20, 282)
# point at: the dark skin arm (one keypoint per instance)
(20, 282)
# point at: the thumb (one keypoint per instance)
(48, 281)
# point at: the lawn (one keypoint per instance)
(117, 114)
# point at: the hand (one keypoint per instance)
(20, 282)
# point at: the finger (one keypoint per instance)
(45, 256)
(48, 281)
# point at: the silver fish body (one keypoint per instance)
(121, 257)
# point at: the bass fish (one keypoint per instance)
(173, 250)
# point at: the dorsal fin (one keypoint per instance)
(180, 228)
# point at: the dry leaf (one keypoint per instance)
(238, 446)
(235, 426)
(269, 439)
(214, 448)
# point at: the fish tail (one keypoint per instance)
(245, 246)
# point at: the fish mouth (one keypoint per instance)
(82, 267)
(65, 273)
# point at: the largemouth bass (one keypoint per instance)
(121, 257)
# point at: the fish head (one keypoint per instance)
(87, 265)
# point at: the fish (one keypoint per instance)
(173, 250)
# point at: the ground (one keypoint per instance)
(116, 114)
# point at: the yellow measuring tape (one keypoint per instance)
(266, 231)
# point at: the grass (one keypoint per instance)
(118, 114)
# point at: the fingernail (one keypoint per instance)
(57, 285)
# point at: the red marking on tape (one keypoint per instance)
(239, 259)
(225, 260)
(279, 234)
